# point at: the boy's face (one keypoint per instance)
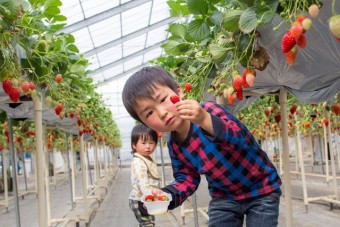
(160, 113)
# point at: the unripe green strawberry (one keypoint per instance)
(334, 25)
(314, 10)
(306, 24)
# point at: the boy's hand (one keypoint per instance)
(191, 110)
(158, 192)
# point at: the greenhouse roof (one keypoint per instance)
(118, 37)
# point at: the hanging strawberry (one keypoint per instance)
(188, 87)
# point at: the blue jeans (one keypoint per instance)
(261, 211)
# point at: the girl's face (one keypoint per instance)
(160, 113)
(144, 146)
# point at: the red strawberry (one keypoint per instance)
(149, 198)
(58, 78)
(188, 87)
(14, 94)
(288, 42)
(293, 108)
(277, 118)
(302, 41)
(290, 57)
(163, 198)
(237, 83)
(7, 86)
(25, 86)
(245, 74)
(300, 18)
(239, 94)
(32, 85)
(249, 71)
(174, 99)
(325, 121)
(58, 108)
(336, 109)
(267, 112)
(296, 30)
(231, 99)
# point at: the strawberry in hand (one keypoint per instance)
(174, 99)
(163, 198)
(149, 198)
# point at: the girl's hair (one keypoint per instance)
(143, 132)
(141, 85)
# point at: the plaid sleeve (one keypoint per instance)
(228, 130)
(186, 180)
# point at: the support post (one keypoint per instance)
(40, 172)
(285, 149)
(14, 170)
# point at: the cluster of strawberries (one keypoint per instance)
(239, 82)
(13, 88)
(295, 37)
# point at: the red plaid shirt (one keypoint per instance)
(233, 163)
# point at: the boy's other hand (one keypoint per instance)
(191, 110)
(158, 192)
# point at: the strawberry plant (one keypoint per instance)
(220, 41)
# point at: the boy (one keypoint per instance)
(206, 139)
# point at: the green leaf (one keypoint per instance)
(50, 3)
(218, 53)
(216, 17)
(3, 116)
(248, 20)
(175, 48)
(59, 18)
(52, 11)
(178, 30)
(248, 2)
(266, 9)
(178, 8)
(73, 48)
(231, 20)
(198, 7)
(198, 29)
(57, 27)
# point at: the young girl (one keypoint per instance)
(144, 174)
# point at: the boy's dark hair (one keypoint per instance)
(143, 132)
(142, 84)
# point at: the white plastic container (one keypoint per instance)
(157, 207)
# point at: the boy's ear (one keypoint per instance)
(180, 92)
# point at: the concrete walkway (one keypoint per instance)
(113, 210)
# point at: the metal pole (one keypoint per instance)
(194, 204)
(162, 160)
(14, 169)
(88, 163)
(83, 170)
(69, 168)
(24, 164)
(40, 172)
(331, 151)
(96, 161)
(285, 149)
(302, 165)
